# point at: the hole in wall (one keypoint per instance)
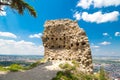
(60, 38)
(83, 43)
(59, 46)
(77, 44)
(83, 62)
(64, 38)
(45, 45)
(53, 59)
(79, 60)
(51, 38)
(52, 46)
(60, 59)
(83, 49)
(71, 45)
(70, 36)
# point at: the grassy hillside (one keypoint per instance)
(71, 72)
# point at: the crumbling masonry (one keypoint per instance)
(65, 40)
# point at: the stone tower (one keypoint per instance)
(64, 40)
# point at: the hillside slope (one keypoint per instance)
(39, 73)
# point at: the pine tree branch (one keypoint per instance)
(20, 6)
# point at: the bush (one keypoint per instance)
(75, 63)
(70, 72)
(33, 65)
(67, 66)
(41, 61)
(15, 67)
(3, 68)
(84, 76)
(65, 76)
(102, 74)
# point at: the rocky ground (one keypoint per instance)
(44, 71)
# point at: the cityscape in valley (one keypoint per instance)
(111, 64)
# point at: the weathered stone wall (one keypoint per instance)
(65, 40)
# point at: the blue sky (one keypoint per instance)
(20, 34)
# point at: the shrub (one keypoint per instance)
(67, 66)
(75, 63)
(102, 74)
(15, 67)
(71, 73)
(33, 65)
(41, 61)
(3, 68)
(84, 76)
(65, 76)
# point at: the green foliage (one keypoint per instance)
(35, 64)
(65, 76)
(102, 74)
(43, 60)
(20, 6)
(84, 76)
(75, 63)
(15, 67)
(70, 72)
(67, 66)
(3, 68)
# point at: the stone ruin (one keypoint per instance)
(64, 40)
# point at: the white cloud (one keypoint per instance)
(20, 47)
(36, 35)
(105, 43)
(105, 34)
(117, 33)
(94, 46)
(105, 3)
(2, 12)
(98, 17)
(85, 4)
(7, 34)
(77, 16)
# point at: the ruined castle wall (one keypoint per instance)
(65, 40)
